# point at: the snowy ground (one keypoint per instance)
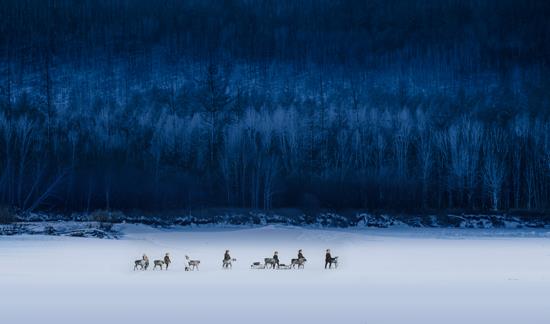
(386, 276)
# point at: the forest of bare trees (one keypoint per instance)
(269, 104)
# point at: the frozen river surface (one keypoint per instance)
(385, 277)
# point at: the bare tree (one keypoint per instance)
(424, 154)
(402, 141)
(494, 167)
(520, 131)
(214, 98)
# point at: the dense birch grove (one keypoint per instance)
(271, 104)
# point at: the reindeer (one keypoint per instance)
(139, 263)
(158, 263)
(143, 264)
(298, 262)
(333, 261)
(270, 263)
(193, 264)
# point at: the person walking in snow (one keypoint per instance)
(328, 259)
(167, 260)
(276, 259)
(226, 259)
(145, 261)
(300, 255)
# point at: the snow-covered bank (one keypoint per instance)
(475, 227)
(101, 221)
(386, 276)
(61, 228)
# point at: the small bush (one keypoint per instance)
(50, 230)
(7, 215)
(106, 216)
(107, 227)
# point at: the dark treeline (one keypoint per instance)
(155, 105)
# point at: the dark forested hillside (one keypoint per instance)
(377, 104)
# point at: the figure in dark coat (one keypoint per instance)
(276, 258)
(226, 258)
(328, 259)
(300, 255)
(167, 260)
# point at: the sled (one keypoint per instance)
(284, 267)
(257, 265)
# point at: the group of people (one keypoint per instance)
(166, 260)
(276, 257)
(329, 260)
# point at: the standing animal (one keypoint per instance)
(275, 259)
(139, 263)
(159, 263)
(298, 262)
(334, 261)
(269, 263)
(193, 264)
(142, 263)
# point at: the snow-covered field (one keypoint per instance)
(385, 276)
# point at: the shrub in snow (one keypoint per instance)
(7, 216)
(106, 216)
(49, 230)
